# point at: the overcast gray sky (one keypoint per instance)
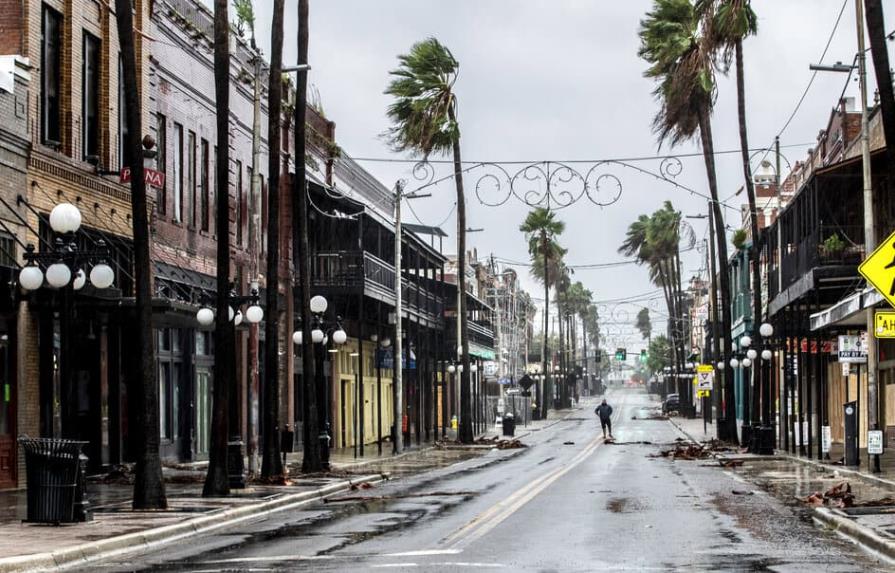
(561, 80)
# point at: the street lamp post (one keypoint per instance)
(321, 335)
(63, 268)
(253, 314)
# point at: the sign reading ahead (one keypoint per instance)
(879, 269)
(884, 324)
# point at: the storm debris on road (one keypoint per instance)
(510, 444)
(840, 495)
(350, 498)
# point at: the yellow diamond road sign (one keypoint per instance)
(884, 324)
(879, 269)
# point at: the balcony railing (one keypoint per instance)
(824, 246)
(349, 269)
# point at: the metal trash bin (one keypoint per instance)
(56, 487)
(509, 425)
(746, 437)
(765, 444)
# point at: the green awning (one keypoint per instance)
(480, 351)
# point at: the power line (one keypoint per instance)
(566, 161)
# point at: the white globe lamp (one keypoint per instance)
(31, 277)
(254, 314)
(340, 336)
(296, 337)
(720, 365)
(747, 362)
(734, 363)
(751, 354)
(102, 276)
(317, 336)
(65, 218)
(474, 368)
(766, 330)
(746, 341)
(451, 369)
(386, 342)
(237, 320)
(205, 316)
(80, 280)
(58, 275)
(231, 314)
(766, 354)
(318, 304)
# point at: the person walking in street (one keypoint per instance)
(604, 411)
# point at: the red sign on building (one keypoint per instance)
(150, 176)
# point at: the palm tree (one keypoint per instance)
(643, 324)
(312, 460)
(680, 60)
(149, 486)
(424, 121)
(541, 229)
(876, 31)
(216, 481)
(729, 23)
(271, 464)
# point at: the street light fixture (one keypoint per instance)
(253, 314)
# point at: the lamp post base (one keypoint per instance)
(236, 464)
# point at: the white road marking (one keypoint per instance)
(491, 518)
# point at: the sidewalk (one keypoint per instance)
(117, 529)
(871, 522)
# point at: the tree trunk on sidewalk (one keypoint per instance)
(708, 150)
(216, 481)
(149, 485)
(271, 463)
(466, 432)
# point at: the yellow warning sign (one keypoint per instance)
(879, 269)
(884, 324)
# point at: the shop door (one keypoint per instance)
(203, 410)
(7, 419)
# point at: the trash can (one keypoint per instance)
(56, 488)
(509, 425)
(765, 440)
(746, 437)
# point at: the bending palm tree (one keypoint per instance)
(681, 63)
(729, 22)
(424, 121)
(541, 229)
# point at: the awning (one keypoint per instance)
(848, 312)
(480, 351)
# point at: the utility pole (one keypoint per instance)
(255, 249)
(869, 229)
(397, 356)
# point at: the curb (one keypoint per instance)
(362, 463)
(843, 470)
(863, 535)
(150, 538)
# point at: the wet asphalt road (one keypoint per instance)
(567, 503)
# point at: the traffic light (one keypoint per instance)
(643, 356)
(621, 354)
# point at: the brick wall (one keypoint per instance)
(12, 26)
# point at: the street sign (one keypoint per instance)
(884, 324)
(150, 176)
(852, 349)
(879, 269)
(874, 442)
(705, 380)
(825, 439)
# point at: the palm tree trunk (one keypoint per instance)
(544, 365)
(679, 319)
(562, 353)
(708, 152)
(149, 487)
(466, 432)
(216, 482)
(754, 251)
(311, 458)
(873, 10)
(271, 464)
